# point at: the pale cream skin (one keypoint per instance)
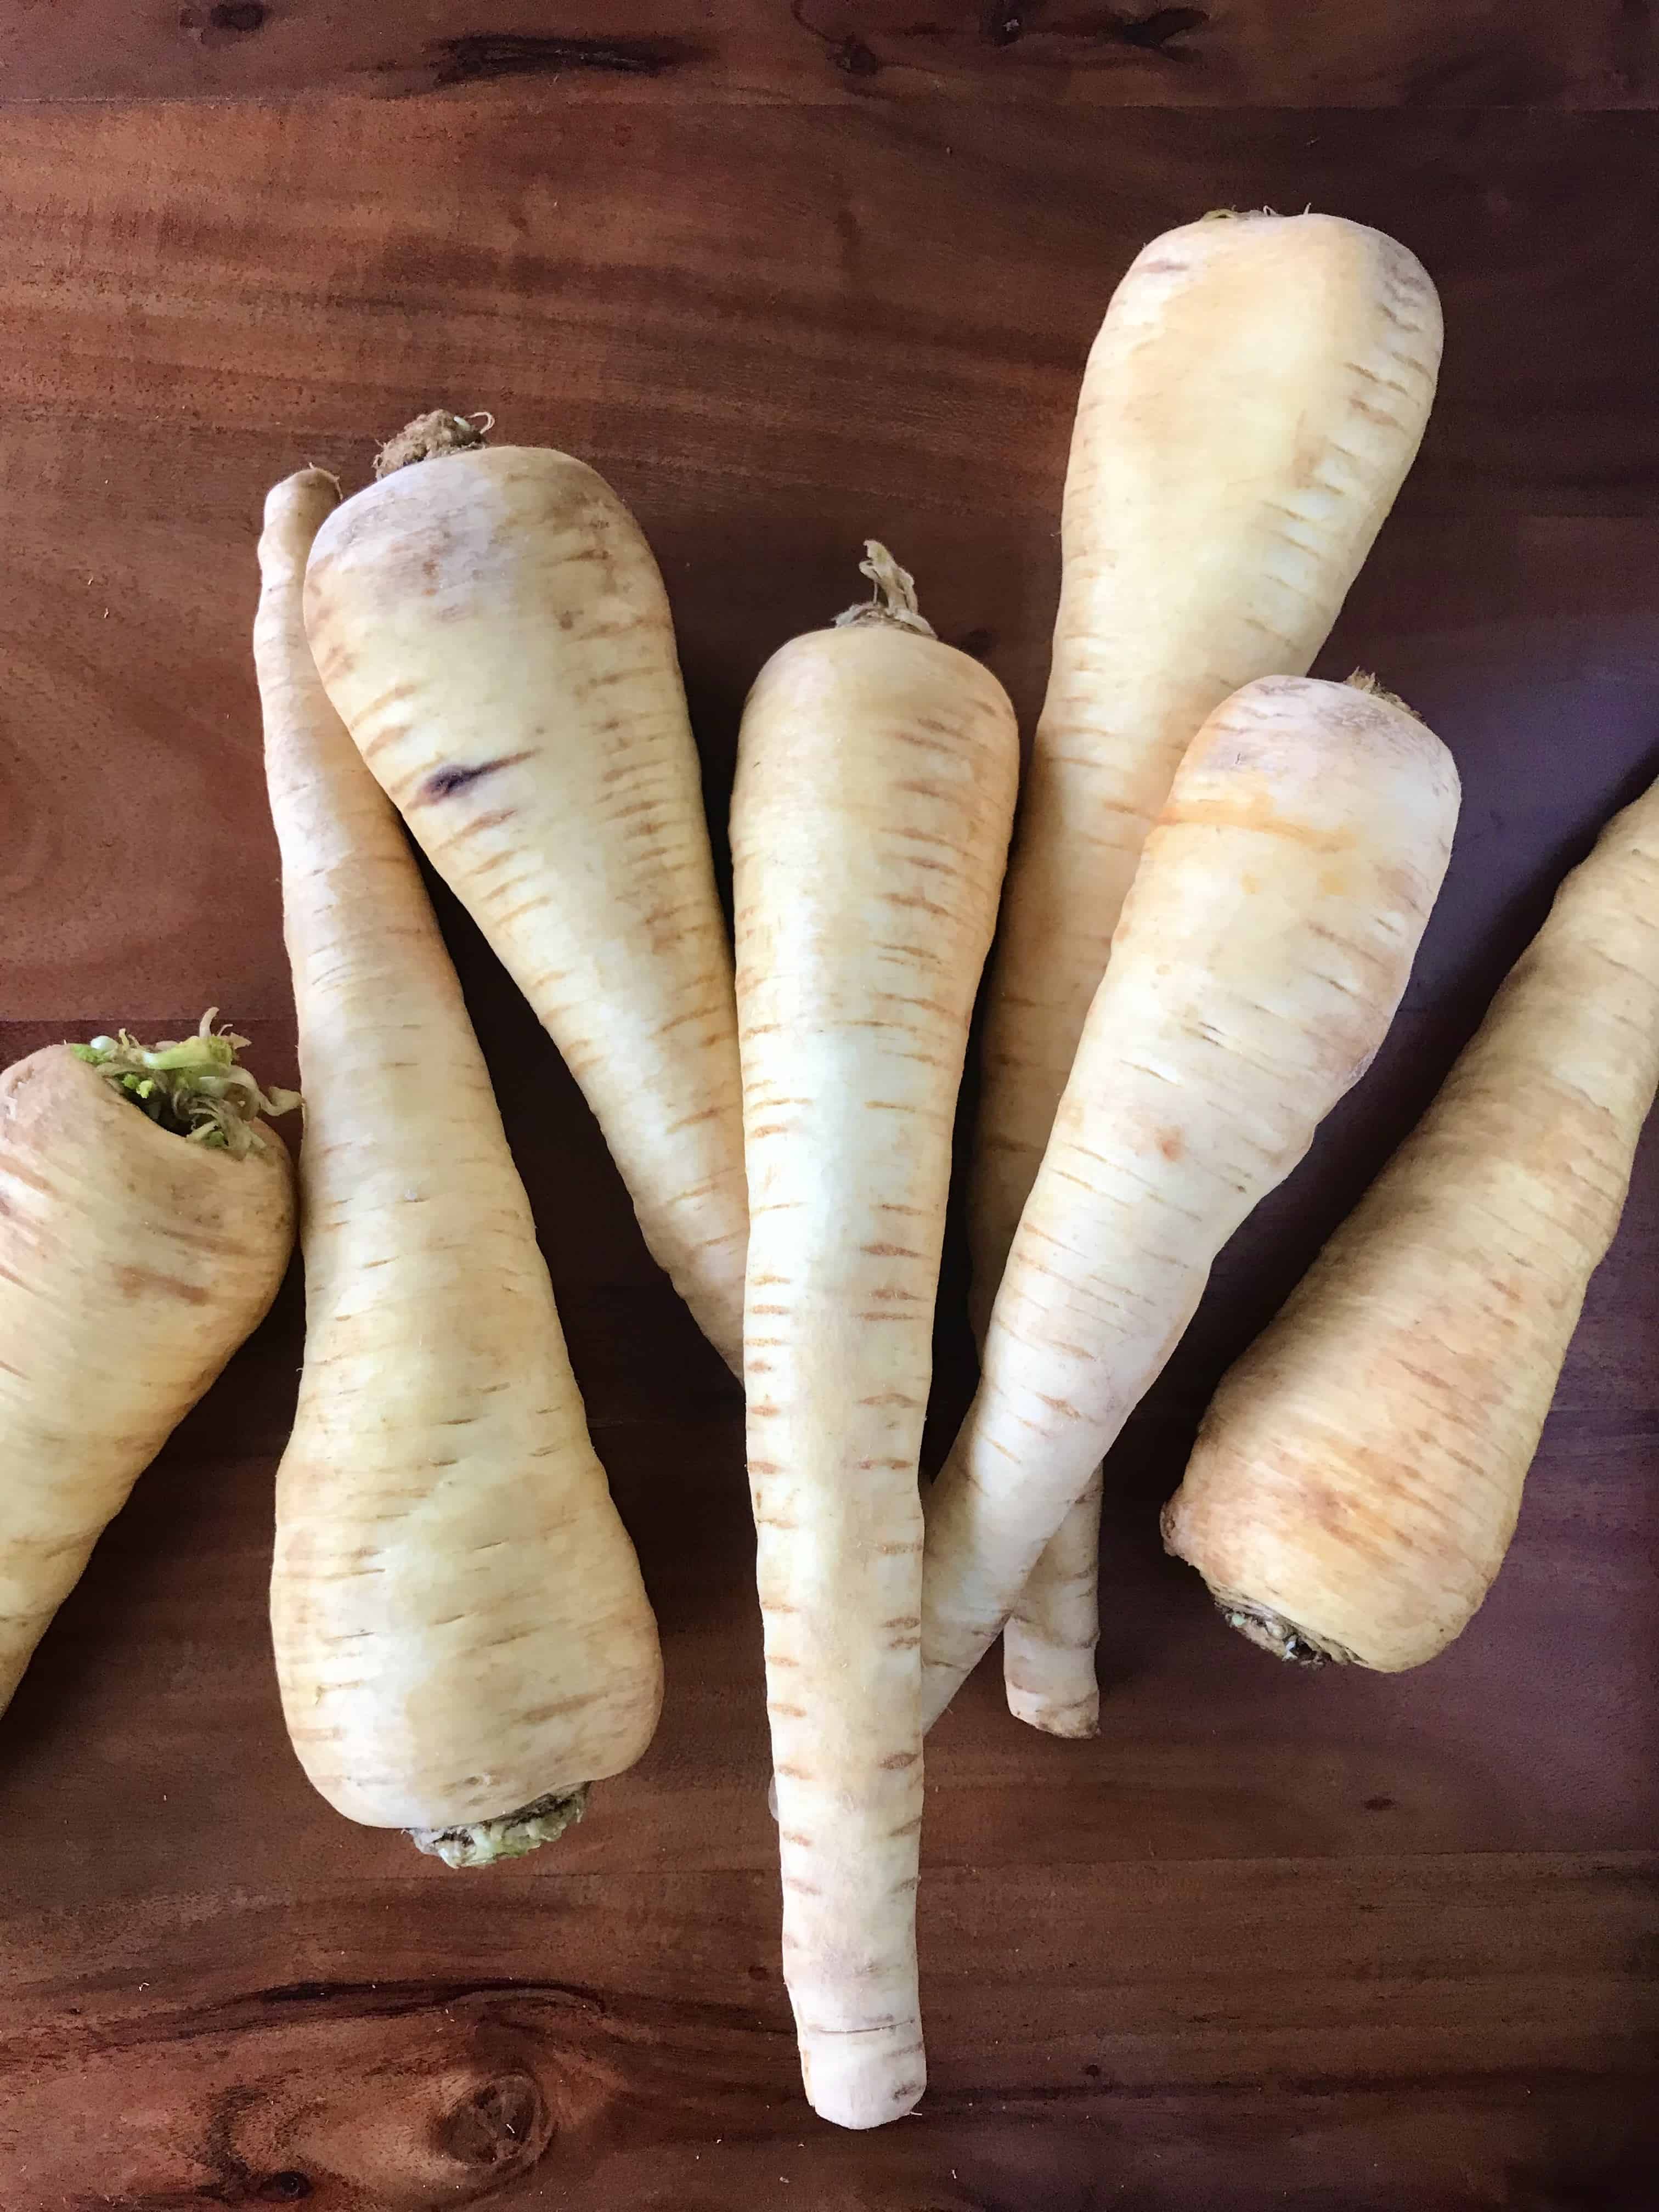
(1356, 1480)
(1258, 963)
(875, 787)
(463, 1640)
(1251, 405)
(490, 626)
(133, 1262)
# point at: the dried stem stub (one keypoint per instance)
(893, 598)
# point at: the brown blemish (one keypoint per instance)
(444, 782)
(1255, 812)
(149, 1282)
(480, 821)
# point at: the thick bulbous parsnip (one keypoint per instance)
(133, 1262)
(463, 1640)
(1357, 1477)
(491, 627)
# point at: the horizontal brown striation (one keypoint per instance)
(1098, 53)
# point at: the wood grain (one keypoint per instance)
(1235, 53)
(1333, 1942)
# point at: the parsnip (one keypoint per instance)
(146, 1219)
(463, 1640)
(491, 627)
(1261, 953)
(1251, 407)
(876, 774)
(1357, 1481)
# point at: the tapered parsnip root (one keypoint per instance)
(1258, 963)
(1356, 1482)
(875, 783)
(146, 1220)
(1251, 407)
(489, 624)
(463, 1641)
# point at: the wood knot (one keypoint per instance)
(501, 2128)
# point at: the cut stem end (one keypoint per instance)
(1270, 1632)
(512, 1836)
(1363, 680)
(194, 1087)
(894, 600)
(428, 438)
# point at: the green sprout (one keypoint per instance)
(195, 1087)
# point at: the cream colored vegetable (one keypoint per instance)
(1251, 407)
(875, 784)
(146, 1220)
(1357, 1481)
(1258, 963)
(463, 1641)
(491, 627)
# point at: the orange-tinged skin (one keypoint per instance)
(133, 1264)
(1258, 963)
(1251, 407)
(459, 1623)
(1356, 1480)
(494, 632)
(875, 784)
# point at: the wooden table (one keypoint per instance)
(789, 279)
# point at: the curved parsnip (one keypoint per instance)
(133, 1262)
(1251, 407)
(463, 1640)
(490, 626)
(1356, 1480)
(1262, 952)
(875, 784)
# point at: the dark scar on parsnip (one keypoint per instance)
(444, 782)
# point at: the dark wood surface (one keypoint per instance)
(1108, 53)
(1339, 1944)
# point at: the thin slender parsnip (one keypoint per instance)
(876, 772)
